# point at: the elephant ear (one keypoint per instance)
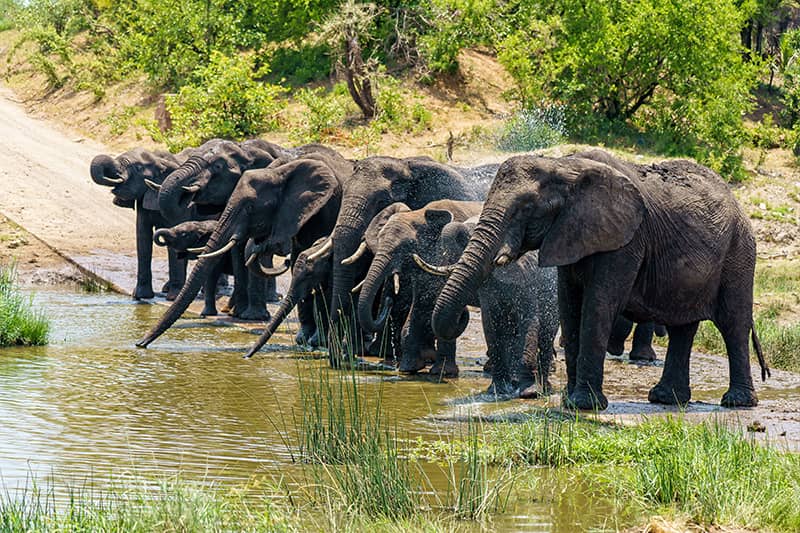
(454, 239)
(436, 220)
(602, 214)
(308, 185)
(379, 222)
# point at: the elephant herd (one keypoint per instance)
(387, 253)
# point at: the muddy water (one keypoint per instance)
(90, 405)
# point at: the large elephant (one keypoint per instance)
(193, 234)
(310, 292)
(667, 242)
(376, 183)
(285, 207)
(126, 175)
(394, 236)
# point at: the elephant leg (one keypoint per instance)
(256, 298)
(144, 255)
(445, 365)
(610, 280)
(642, 349)
(493, 318)
(616, 341)
(177, 274)
(239, 299)
(673, 387)
(733, 318)
(270, 286)
(308, 326)
(210, 291)
(569, 312)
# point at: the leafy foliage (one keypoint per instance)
(226, 101)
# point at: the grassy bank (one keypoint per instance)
(20, 324)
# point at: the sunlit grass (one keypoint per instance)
(20, 324)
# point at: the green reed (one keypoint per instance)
(20, 324)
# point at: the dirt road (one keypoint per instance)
(45, 188)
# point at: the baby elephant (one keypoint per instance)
(519, 309)
(187, 238)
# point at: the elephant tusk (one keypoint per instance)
(272, 272)
(152, 184)
(191, 188)
(250, 259)
(396, 278)
(432, 269)
(224, 249)
(353, 258)
(358, 287)
(502, 260)
(115, 180)
(196, 250)
(322, 251)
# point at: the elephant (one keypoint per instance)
(206, 181)
(310, 292)
(394, 235)
(284, 208)
(519, 312)
(378, 182)
(665, 242)
(642, 349)
(193, 234)
(126, 174)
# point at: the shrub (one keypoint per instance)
(19, 323)
(225, 101)
(325, 113)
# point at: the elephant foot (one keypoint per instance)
(255, 314)
(615, 348)
(586, 399)
(642, 353)
(143, 293)
(412, 365)
(303, 336)
(536, 390)
(501, 388)
(739, 397)
(172, 294)
(446, 369)
(209, 311)
(660, 331)
(317, 340)
(664, 394)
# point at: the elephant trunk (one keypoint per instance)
(171, 198)
(379, 271)
(449, 315)
(223, 234)
(105, 171)
(287, 304)
(345, 242)
(162, 237)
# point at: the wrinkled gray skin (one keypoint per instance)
(378, 182)
(309, 291)
(195, 234)
(519, 312)
(211, 175)
(642, 348)
(125, 174)
(285, 208)
(665, 242)
(394, 236)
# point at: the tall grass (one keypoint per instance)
(20, 324)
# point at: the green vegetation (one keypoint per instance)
(710, 472)
(19, 323)
(673, 77)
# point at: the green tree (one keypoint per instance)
(663, 65)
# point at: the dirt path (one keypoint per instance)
(45, 188)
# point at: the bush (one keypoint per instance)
(325, 113)
(19, 323)
(225, 101)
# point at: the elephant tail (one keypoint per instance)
(761, 361)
